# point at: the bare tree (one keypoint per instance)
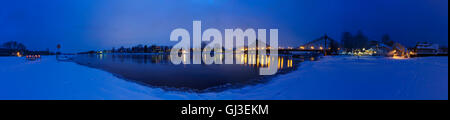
(14, 45)
(386, 39)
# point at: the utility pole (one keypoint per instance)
(325, 49)
(58, 47)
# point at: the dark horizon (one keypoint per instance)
(84, 25)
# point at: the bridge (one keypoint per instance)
(324, 44)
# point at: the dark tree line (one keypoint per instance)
(141, 49)
(359, 41)
(13, 45)
(386, 39)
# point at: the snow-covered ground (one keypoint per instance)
(331, 78)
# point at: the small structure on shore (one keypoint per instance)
(426, 49)
(380, 48)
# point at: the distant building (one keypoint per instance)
(425, 48)
(379, 48)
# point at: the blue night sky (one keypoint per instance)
(80, 25)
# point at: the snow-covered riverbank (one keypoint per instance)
(331, 78)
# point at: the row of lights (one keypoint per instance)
(301, 47)
(312, 48)
(18, 54)
(33, 56)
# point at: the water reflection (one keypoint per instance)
(254, 60)
(157, 69)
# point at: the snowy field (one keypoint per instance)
(331, 78)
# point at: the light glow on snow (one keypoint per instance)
(330, 78)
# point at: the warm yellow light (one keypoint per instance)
(184, 58)
(312, 47)
(279, 63)
(282, 60)
(18, 54)
(262, 61)
(398, 57)
(245, 59)
(301, 47)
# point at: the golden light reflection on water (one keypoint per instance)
(282, 61)
(253, 60)
(184, 58)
